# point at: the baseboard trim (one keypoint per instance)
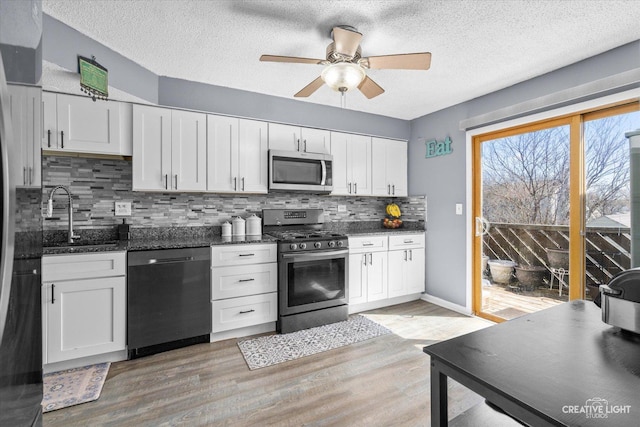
(447, 304)
(116, 356)
(357, 308)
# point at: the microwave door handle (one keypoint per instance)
(324, 172)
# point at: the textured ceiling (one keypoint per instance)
(478, 46)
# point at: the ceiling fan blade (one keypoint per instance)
(405, 61)
(294, 59)
(346, 41)
(310, 88)
(369, 88)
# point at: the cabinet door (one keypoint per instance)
(253, 150)
(360, 164)
(416, 271)
(222, 154)
(188, 151)
(88, 126)
(49, 121)
(85, 318)
(340, 167)
(151, 148)
(284, 137)
(377, 280)
(25, 110)
(358, 278)
(315, 140)
(397, 273)
(379, 184)
(397, 167)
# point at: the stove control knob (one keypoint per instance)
(332, 244)
(293, 246)
(303, 246)
(340, 243)
(317, 245)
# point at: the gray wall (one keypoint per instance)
(62, 45)
(443, 179)
(21, 40)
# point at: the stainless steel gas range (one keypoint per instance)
(313, 266)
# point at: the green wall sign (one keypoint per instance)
(94, 78)
(438, 148)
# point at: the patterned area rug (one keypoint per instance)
(273, 349)
(73, 386)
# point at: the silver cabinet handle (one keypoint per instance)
(298, 147)
(176, 181)
(364, 257)
(355, 188)
(246, 254)
(24, 175)
(49, 138)
(405, 255)
(370, 259)
(247, 280)
(166, 181)
(393, 189)
(235, 183)
(243, 183)
(367, 244)
(305, 145)
(247, 311)
(61, 139)
(349, 188)
(53, 298)
(30, 169)
(410, 254)
(408, 240)
(388, 188)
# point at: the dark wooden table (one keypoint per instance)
(560, 366)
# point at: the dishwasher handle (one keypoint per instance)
(169, 260)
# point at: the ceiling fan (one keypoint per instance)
(346, 68)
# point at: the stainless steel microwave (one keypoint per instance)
(300, 171)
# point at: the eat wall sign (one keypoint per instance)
(438, 148)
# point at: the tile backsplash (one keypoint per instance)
(97, 183)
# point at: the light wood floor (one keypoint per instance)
(380, 382)
(500, 300)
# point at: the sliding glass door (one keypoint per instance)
(546, 200)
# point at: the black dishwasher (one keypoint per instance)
(168, 299)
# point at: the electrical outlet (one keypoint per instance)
(342, 208)
(458, 208)
(122, 208)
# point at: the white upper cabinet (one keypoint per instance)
(295, 138)
(79, 124)
(169, 149)
(24, 106)
(237, 155)
(389, 167)
(351, 164)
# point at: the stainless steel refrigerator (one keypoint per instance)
(20, 267)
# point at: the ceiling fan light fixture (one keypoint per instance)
(343, 76)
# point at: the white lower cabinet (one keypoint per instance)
(244, 286)
(367, 269)
(406, 265)
(84, 305)
(384, 268)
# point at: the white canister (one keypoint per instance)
(254, 225)
(226, 229)
(237, 225)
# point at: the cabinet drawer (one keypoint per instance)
(367, 244)
(241, 312)
(226, 255)
(83, 266)
(406, 241)
(243, 280)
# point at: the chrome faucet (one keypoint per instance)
(50, 210)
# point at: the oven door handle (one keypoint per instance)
(322, 254)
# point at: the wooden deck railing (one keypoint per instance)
(607, 249)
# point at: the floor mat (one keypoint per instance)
(273, 349)
(73, 386)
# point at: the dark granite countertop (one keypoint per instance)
(105, 240)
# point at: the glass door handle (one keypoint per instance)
(482, 226)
